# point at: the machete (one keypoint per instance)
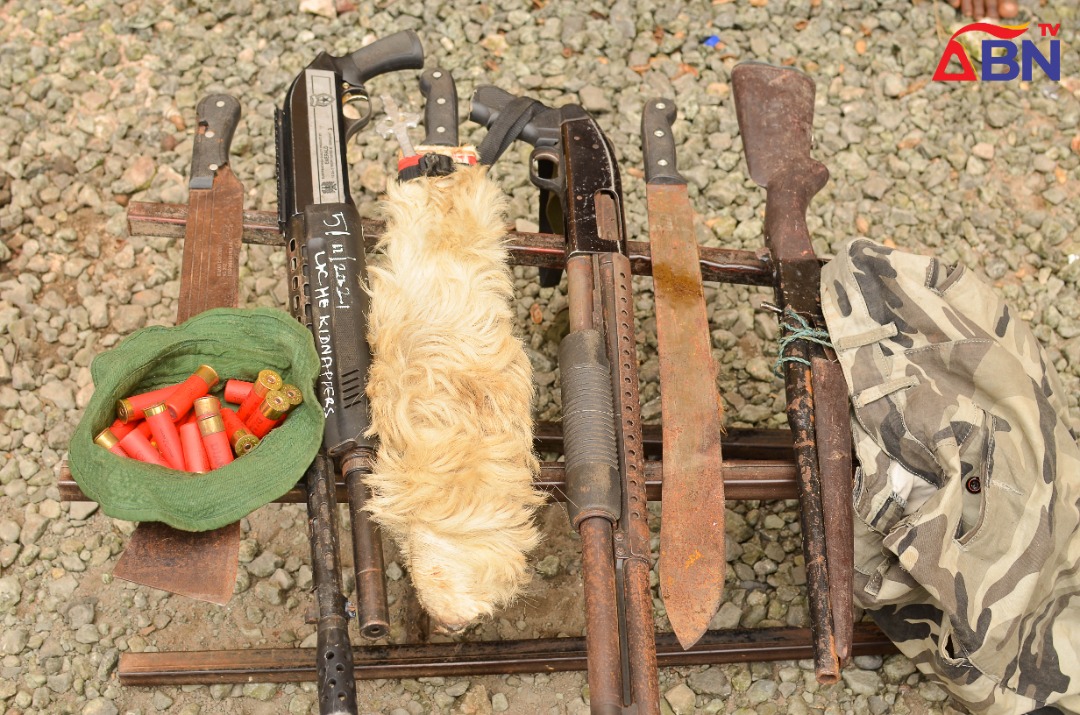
(201, 565)
(692, 553)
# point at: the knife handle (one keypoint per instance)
(658, 143)
(218, 115)
(440, 109)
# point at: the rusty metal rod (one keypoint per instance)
(543, 250)
(602, 632)
(539, 655)
(800, 410)
(372, 612)
(743, 479)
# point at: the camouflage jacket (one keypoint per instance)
(967, 501)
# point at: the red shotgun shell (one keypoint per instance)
(263, 419)
(240, 436)
(237, 390)
(195, 459)
(217, 444)
(200, 382)
(166, 435)
(131, 408)
(138, 447)
(108, 439)
(267, 380)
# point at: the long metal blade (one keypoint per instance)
(692, 552)
(212, 239)
(200, 565)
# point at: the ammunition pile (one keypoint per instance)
(184, 427)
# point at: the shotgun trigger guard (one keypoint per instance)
(354, 98)
(552, 156)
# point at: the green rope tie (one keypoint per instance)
(794, 327)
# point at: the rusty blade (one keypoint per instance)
(692, 553)
(832, 427)
(200, 565)
(212, 240)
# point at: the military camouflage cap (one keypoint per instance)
(967, 501)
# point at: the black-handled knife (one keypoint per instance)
(218, 115)
(440, 110)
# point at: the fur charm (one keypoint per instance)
(451, 393)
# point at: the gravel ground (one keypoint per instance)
(100, 101)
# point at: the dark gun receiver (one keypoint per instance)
(327, 275)
(574, 166)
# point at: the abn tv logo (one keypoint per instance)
(1002, 59)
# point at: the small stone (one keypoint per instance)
(727, 617)
(10, 592)
(897, 669)
(265, 564)
(161, 701)
(326, 8)
(499, 703)
(457, 688)
(138, 176)
(711, 681)
(932, 692)
(594, 99)
(862, 682)
(9, 531)
(13, 640)
(681, 699)
(548, 566)
(80, 614)
(868, 662)
(394, 573)
(81, 510)
(260, 691)
(475, 702)
(87, 634)
(50, 509)
(59, 393)
(761, 691)
(100, 706)
(129, 318)
(983, 150)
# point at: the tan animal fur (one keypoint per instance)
(451, 393)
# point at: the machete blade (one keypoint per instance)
(692, 552)
(200, 565)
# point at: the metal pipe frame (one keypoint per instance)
(759, 464)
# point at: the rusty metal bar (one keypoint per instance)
(632, 532)
(543, 250)
(743, 479)
(540, 655)
(602, 638)
(832, 425)
(372, 613)
(739, 443)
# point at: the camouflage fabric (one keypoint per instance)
(967, 546)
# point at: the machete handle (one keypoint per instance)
(658, 142)
(217, 115)
(440, 108)
(400, 51)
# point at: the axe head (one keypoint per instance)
(775, 109)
